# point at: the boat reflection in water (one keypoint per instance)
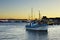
(36, 35)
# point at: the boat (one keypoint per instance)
(37, 25)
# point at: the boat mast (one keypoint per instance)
(39, 14)
(31, 13)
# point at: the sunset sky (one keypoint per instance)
(22, 8)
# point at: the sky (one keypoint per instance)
(21, 9)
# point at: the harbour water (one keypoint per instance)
(16, 31)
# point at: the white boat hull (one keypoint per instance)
(38, 28)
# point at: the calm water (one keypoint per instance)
(16, 31)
